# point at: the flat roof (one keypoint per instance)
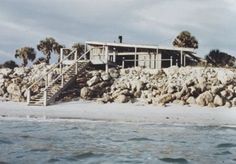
(139, 46)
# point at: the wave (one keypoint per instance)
(226, 145)
(174, 160)
(141, 139)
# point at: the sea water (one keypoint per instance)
(111, 142)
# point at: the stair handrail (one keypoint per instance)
(60, 75)
(51, 69)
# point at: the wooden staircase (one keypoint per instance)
(57, 79)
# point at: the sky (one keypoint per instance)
(155, 22)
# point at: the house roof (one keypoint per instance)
(139, 46)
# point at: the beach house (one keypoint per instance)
(135, 55)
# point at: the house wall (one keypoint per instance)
(145, 57)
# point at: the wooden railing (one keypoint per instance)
(63, 70)
(148, 61)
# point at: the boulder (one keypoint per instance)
(191, 100)
(218, 101)
(228, 104)
(121, 99)
(225, 76)
(204, 99)
(5, 71)
(137, 85)
(233, 102)
(105, 99)
(14, 89)
(163, 99)
(94, 80)
(85, 93)
(105, 76)
(21, 71)
(114, 73)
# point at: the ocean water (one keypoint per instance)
(110, 142)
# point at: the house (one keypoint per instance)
(132, 55)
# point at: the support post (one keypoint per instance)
(181, 58)
(135, 56)
(85, 50)
(123, 62)
(177, 62)
(106, 58)
(144, 61)
(61, 56)
(76, 64)
(45, 98)
(171, 61)
(150, 62)
(62, 80)
(154, 61)
(184, 60)
(28, 96)
(46, 80)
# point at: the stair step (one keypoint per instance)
(38, 100)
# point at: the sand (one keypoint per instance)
(135, 113)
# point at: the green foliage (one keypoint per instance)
(185, 39)
(222, 59)
(9, 64)
(49, 46)
(25, 54)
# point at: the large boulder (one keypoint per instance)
(14, 89)
(218, 101)
(5, 71)
(234, 102)
(225, 76)
(191, 100)
(105, 76)
(94, 80)
(114, 73)
(85, 93)
(15, 92)
(121, 99)
(21, 71)
(163, 99)
(137, 85)
(204, 99)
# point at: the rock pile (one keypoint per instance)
(14, 82)
(187, 85)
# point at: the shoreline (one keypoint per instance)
(114, 112)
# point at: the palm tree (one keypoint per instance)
(185, 39)
(217, 58)
(48, 46)
(25, 54)
(80, 48)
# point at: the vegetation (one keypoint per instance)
(185, 39)
(25, 54)
(40, 60)
(10, 64)
(222, 59)
(49, 46)
(80, 48)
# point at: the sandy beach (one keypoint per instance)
(136, 113)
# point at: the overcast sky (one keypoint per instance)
(25, 22)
